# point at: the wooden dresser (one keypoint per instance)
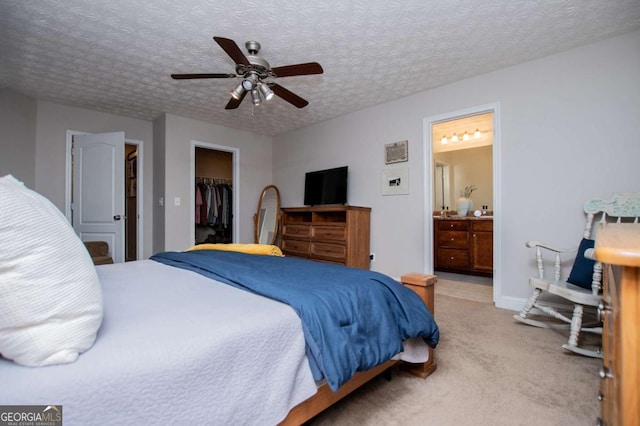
(336, 234)
(618, 248)
(463, 245)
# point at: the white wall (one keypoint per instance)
(50, 154)
(18, 136)
(255, 174)
(568, 128)
(159, 144)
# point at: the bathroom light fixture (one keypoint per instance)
(466, 136)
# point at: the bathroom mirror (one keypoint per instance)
(267, 218)
(462, 156)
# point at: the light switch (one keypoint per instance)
(176, 201)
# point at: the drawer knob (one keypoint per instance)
(451, 258)
(451, 224)
(605, 373)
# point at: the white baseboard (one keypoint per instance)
(510, 303)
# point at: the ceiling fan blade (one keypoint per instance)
(307, 68)
(235, 103)
(288, 96)
(191, 76)
(232, 50)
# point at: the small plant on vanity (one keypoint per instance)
(468, 190)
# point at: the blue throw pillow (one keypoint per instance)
(582, 271)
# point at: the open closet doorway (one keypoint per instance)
(461, 196)
(214, 195)
(131, 202)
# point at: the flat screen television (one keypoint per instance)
(326, 187)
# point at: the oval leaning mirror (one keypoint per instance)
(267, 218)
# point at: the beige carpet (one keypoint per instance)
(491, 371)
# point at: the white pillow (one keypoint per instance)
(50, 296)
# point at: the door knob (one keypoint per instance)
(117, 217)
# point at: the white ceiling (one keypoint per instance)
(116, 56)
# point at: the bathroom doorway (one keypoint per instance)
(461, 196)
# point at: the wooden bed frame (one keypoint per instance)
(423, 285)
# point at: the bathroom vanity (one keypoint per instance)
(463, 244)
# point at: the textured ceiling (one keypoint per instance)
(116, 56)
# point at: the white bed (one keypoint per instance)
(142, 342)
(156, 317)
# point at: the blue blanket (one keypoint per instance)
(352, 319)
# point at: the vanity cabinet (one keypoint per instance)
(481, 246)
(464, 245)
(335, 234)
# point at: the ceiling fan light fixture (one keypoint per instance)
(237, 92)
(266, 92)
(255, 97)
(247, 85)
(250, 83)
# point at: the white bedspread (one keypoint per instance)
(175, 348)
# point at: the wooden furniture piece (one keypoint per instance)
(336, 234)
(621, 206)
(464, 245)
(99, 251)
(266, 220)
(618, 247)
(423, 285)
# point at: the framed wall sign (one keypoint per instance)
(396, 152)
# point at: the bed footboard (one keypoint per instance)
(423, 285)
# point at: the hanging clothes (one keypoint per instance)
(214, 203)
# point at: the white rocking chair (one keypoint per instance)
(584, 285)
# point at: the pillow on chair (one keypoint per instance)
(50, 296)
(582, 271)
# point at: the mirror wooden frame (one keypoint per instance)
(256, 216)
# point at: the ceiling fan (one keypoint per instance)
(255, 72)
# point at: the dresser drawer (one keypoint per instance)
(296, 247)
(482, 225)
(453, 239)
(329, 232)
(453, 225)
(334, 251)
(451, 258)
(297, 230)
